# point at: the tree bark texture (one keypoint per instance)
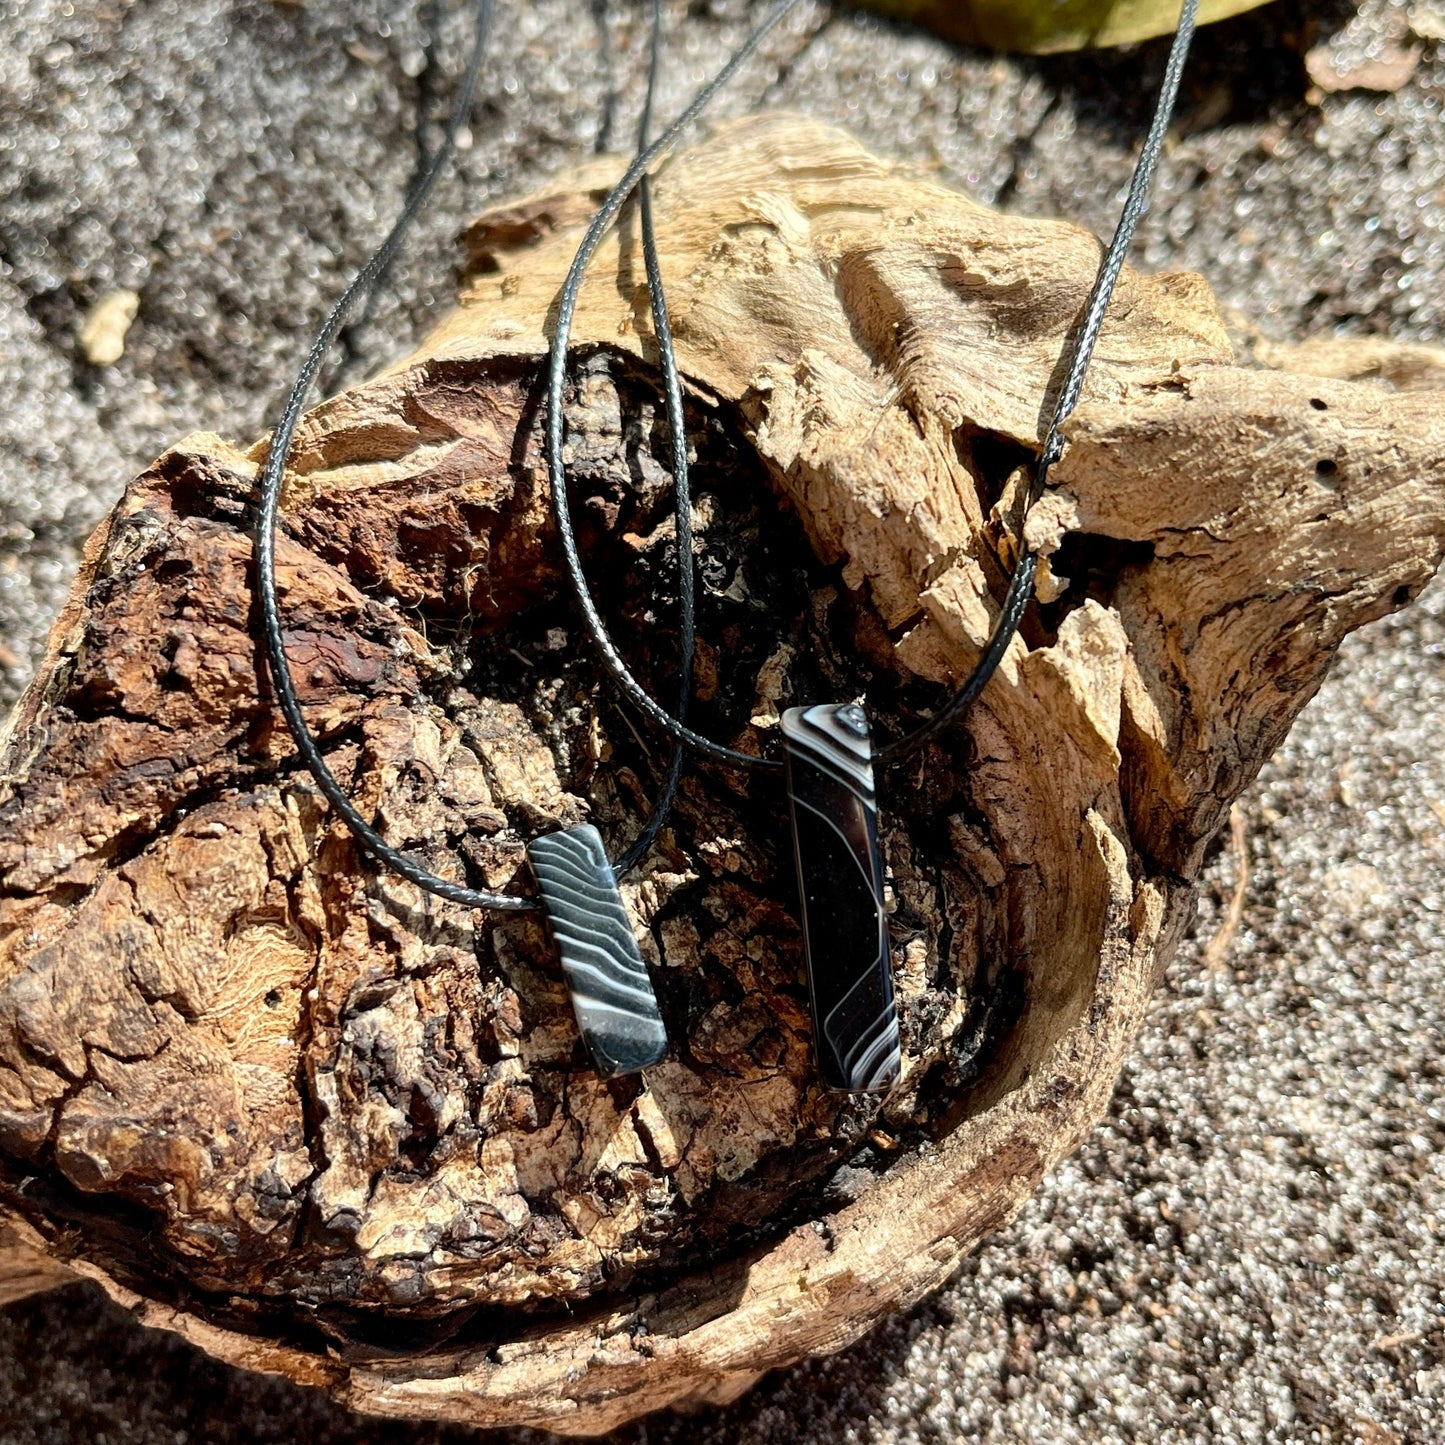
(325, 1125)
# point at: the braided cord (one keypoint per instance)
(273, 472)
(557, 382)
(682, 487)
(1080, 354)
(1021, 583)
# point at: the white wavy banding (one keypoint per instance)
(611, 991)
(832, 741)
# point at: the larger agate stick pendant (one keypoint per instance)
(611, 993)
(840, 877)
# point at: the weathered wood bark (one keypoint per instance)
(325, 1126)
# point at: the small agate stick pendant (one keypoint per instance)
(840, 877)
(611, 992)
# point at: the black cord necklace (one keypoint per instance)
(611, 992)
(827, 749)
(828, 755)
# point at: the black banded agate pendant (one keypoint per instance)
(612, 995)
(840, 878)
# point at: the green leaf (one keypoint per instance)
(1042, 26)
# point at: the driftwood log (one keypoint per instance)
(325, 1126)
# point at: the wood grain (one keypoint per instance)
(326, 1127)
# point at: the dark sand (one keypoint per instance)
(1251, 1248)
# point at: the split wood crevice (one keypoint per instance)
(324, 1126)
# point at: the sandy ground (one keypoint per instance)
(1251, 1248)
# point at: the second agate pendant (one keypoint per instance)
(612, 995)
(840, 878)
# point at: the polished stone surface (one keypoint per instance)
(611, 992)
(840, 880)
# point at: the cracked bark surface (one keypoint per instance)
(326, 1126)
